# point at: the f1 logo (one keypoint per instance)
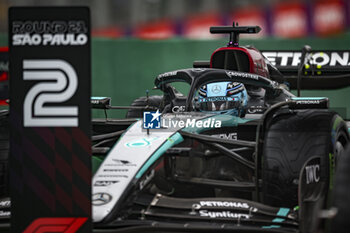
(66, 225)
(58, 83)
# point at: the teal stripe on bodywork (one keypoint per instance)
(271, 226)
(283, 211)
(278, 220)
(173, 140)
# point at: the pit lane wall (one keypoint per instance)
(125, 68)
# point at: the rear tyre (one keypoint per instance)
(341, 198)
(290, 140)
(154, 101)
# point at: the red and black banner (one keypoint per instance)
(50, 148)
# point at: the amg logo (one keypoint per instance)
(312, 173)
(230, 136)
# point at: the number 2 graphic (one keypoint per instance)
(58, 82)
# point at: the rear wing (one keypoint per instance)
(326, 69)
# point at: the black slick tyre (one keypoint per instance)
(290, 140)
(341, 198)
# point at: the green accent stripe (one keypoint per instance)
(173, 140)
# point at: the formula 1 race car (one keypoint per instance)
(238, 152)
(235, 152)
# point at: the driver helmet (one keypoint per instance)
(222, 97)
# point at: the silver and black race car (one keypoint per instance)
(226, 148)
(237, 152)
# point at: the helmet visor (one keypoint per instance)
(219, 103)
